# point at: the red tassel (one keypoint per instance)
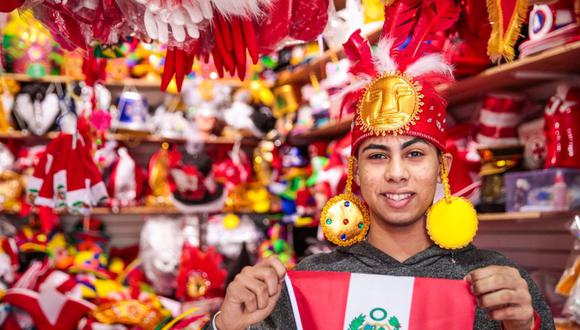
(226, 32)
(219, 43)
(180, 63)
(217, 61)
(239, 47)
(250, 38)
(168, 68)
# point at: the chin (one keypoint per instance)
(396, 219)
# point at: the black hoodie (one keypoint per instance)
(433, 262)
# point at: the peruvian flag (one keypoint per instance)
(351, 301)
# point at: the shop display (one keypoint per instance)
(550, 25)
(543, 190)
(126, 205)
(495, 162)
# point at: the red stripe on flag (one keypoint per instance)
(322, 304)
(441, 304)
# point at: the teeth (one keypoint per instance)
(397, 197)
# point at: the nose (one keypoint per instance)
(396, 171)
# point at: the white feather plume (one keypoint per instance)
(432, 63)
(249, 8)
(382, 59)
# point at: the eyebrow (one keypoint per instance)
(383, 147)
(413, 141)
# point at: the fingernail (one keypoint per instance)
(467, 278)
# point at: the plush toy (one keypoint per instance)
(161, 256)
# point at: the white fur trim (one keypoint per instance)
(486, 142)
(382, 59)
(98, 192)
(34, 183)
(432, 63)
(499, 120)
(43, 201)
(248, 8)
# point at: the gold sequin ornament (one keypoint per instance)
(451, 221)
(390, 105)
(345, 218)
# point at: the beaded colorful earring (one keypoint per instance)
(345, 218)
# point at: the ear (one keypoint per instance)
(448, 159)
(355, 175)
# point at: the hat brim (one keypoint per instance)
(210, 204)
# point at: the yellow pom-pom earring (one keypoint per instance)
(452, 221)
(345, 218)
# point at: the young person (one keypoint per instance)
(398, 158)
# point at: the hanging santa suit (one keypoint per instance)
(66, 177)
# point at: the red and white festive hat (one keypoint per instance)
(55, 302)
(498, 119)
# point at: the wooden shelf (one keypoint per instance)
(141, 83)
(149, 210)
(301, 73)
(557, 63)
(527, 216)
(326, 132)
(130, 138)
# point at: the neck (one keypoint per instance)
(399, 242)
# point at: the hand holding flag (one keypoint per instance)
(251, 297)
(505, 293)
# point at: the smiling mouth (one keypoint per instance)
(397, 197)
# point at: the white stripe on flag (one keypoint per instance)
(378, 298)
(293, 302)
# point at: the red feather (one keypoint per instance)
(400, 18)
(358, 52)
(436, 16)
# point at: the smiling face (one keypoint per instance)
(397, 176)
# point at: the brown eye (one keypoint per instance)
(377, 156)
(416, 154)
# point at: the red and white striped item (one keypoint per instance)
(338, 301)
(498, 119)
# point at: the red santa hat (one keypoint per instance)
(127, 183)
(498, 119)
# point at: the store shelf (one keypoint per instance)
(130, 138)
(140, 83)
(301, 73)
(557, 63)
(326, 132)
(527, 216)
(150, 210)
